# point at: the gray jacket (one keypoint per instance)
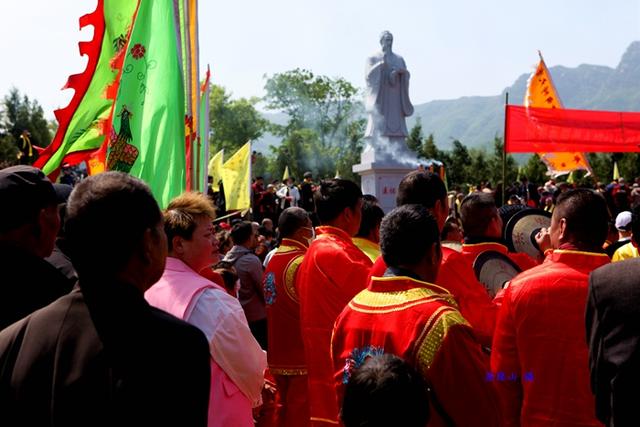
(249, 269)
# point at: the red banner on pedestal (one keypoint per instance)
(547, 130)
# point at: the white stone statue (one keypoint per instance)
(387, 96)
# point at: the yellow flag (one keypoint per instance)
(616, 172)
(541, 93)
(215, 169)
(285, 175)
(236, 178)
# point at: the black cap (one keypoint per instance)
(63, 191)
(24, 190)
(307, 175)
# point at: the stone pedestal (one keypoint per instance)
(382, 180)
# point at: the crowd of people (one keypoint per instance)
(321, 310)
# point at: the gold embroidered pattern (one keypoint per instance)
(368, 300)
(278, 371)
(323, 420)
(419, 283)
(569, 251)
(286, 249)
(290, 275)
(434, 334)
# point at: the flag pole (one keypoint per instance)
(504, 147)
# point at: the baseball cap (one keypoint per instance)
(24, 190)
(623, 221)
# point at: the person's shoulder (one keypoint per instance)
(623, 272)
(171, 329)
(44, 323)
(540, 275)
(219, 300)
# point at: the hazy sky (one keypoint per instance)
(452, 48)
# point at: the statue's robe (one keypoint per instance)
(387, 99)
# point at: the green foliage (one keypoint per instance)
(260, 165)
(323, 134)
(8, 151)
(480, 169)
(233, 121)
(349, 153)
(495, 164)
(602, 165)
(18, 113)
(320, 103)
(459, 171)
(535, 170)
(429, 149)
(414, 140)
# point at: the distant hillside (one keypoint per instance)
(475, 120)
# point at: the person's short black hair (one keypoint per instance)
(369, 198)
(586, 215)
(24, 191)
(476, 212)
(107, 216)
(421, 188)
(290, 221)
(449, 226)
(258, 178)
(407, 233)
(263, 231)
(333, 196)
(372, 215)
(385, 391)
(241, 232)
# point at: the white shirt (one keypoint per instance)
(231, 344)
(292, 192)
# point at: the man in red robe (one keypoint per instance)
(286, 351)
(333, 271)
(539, 357)
(405, 314)
(482, 227)
(455, 274)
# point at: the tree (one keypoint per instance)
(8, 151)
(19, 114)
(233, 122)
(429, 149)
(323, 133)
(414, 140)
(480, 171)
(458, 171)
(320, 103)
(535, 170)
(349, 153)
(495, 164)
(299, 151)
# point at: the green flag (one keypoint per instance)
(148, 134)
(84, 123)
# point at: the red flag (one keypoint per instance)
(547, 130)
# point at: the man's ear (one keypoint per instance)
(562, 224)
(148, 243)
(177, 245)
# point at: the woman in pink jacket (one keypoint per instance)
(237, 361)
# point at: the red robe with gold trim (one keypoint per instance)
(457, 277)
(286, 351)
(540, 354)
(419, 322)
(334, 270)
